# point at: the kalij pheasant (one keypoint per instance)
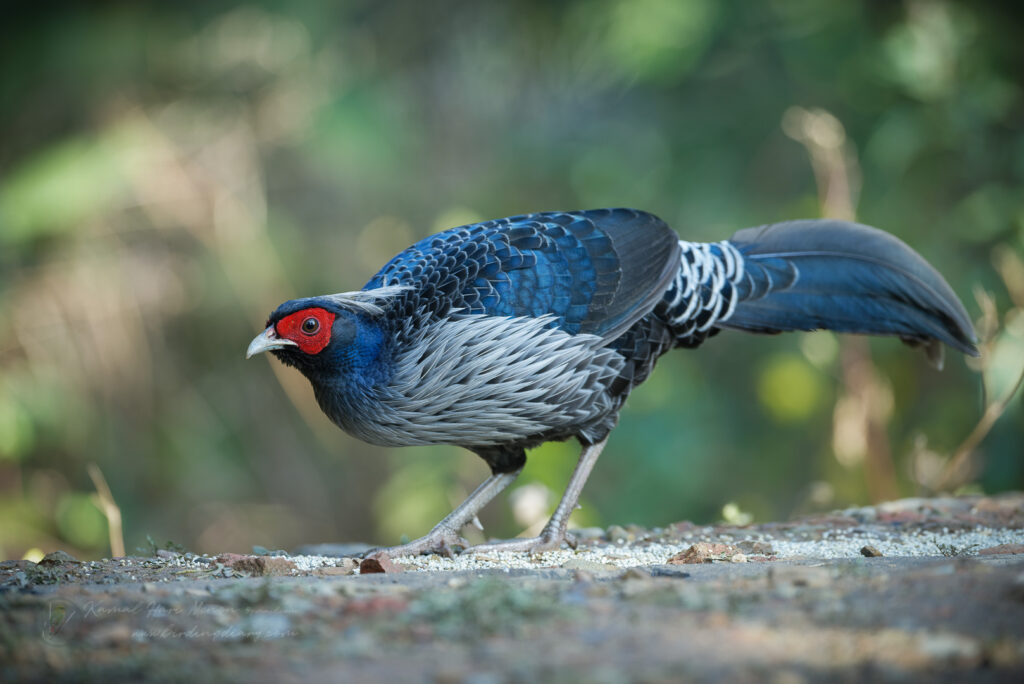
(502, 335)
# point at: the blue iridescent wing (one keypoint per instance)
(595, 271)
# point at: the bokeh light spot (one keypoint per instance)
(80, 522)
(789, 388)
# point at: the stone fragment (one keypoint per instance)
(869, 551)
(58, 558)
(251, 565)
(344, 566)
(378, 563)
(257, 566)
(751, 547)
(1000, 550)
(277, 565)
(704, 552)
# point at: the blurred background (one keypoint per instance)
(170, 172)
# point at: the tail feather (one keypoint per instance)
(847, 277)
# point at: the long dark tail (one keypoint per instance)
(809, 275)
(847, 277)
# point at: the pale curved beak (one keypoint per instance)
(266, 341)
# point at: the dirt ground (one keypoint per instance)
(740, 612)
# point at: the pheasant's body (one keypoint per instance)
(502, 335)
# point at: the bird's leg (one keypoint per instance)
(553, 534)
(446, 534)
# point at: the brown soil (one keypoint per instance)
(948, 618)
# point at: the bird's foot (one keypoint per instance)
(442, 541)
(547, 541)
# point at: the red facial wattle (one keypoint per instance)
(309, 328)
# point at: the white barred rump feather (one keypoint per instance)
(700, 287)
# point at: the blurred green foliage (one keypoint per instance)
(170, 172)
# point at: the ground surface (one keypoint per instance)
(783, 602)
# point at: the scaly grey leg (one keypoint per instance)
(554, 532)
(446, 534)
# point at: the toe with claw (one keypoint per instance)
(442, 542)
(547, 541)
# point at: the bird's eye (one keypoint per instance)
(310, 326)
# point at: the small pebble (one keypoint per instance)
(703, 552)
(58, 557)
(757, 548)
(870, 551)
(378, 563)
